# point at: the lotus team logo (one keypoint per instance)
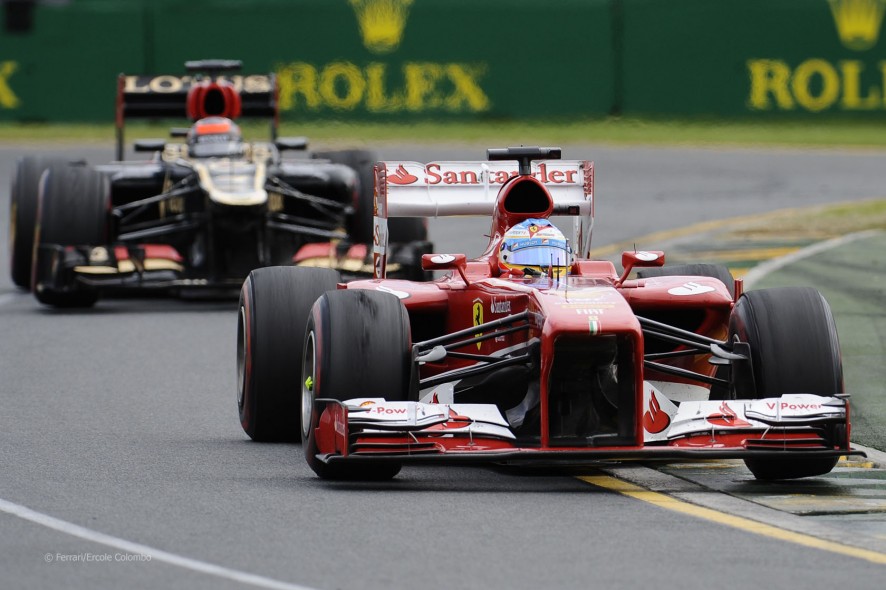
(858, 22)
(381, 22)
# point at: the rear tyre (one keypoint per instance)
(363, 163)
(73, 207)
(274, 306)
(400, 229)
(23, 202)
(794, 349)
(357, 344)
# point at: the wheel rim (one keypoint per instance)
(241, 357)
(308, 373)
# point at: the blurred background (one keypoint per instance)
(410, 61)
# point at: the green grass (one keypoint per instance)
(809, 133)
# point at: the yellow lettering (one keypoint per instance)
(376, 100)
(852, 100)
(131, 85)
(8, 99)
(801, 84)
(298, 79)
(342, 76)
(257, 84)
(421, 86)
(166, 84)
(467, 90)
(345, 86)
(769, 76)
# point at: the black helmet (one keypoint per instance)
(215, 137)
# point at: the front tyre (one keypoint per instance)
(274, 305)
(73, 210)
(794, 349)
(23, 201)
(357, 344)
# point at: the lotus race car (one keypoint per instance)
(204, 210)
(532, 352)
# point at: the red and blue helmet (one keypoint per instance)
(537, 245)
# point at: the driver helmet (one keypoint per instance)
(535, 246)
(215, 137)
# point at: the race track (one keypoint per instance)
(119, 437)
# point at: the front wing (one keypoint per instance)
(370, 429)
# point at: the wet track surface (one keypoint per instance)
(122, 420)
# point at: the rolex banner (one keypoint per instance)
(344, 59)
(410, 60)
(754, 57)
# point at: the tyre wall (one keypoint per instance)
(464, 59)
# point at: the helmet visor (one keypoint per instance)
(538, 252)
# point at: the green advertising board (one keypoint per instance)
(64, 67)
(753, 57)
(406, 60)
(353, 59)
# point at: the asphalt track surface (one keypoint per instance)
(119, 440)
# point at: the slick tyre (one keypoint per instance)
(401, 229)
(357, 344)
(73, 210)
(794, 349)
(363, 163)
(274, 306)
(23, 202)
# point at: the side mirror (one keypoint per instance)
(149, 145)
(446, 262)
(178, 132)
(291, 143)
(642, 258)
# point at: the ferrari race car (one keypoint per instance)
(532, 352)
(204, 210)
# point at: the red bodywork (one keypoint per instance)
(561, 314)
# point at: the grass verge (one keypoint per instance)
(808, 133)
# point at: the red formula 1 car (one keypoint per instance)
(531, 352)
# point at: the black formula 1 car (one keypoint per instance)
(531, 352)
(204, 210)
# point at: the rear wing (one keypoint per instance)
(166, 97)
(437, 189)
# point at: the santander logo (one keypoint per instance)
(727, 417)
(655, 420)
(401, 176)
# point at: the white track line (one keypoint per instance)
(136, 548)
(761, 270)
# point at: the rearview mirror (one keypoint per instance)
(446, 262)
(149, 145)
(291, 143)
(641, 258)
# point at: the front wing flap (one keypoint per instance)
(372, 428)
